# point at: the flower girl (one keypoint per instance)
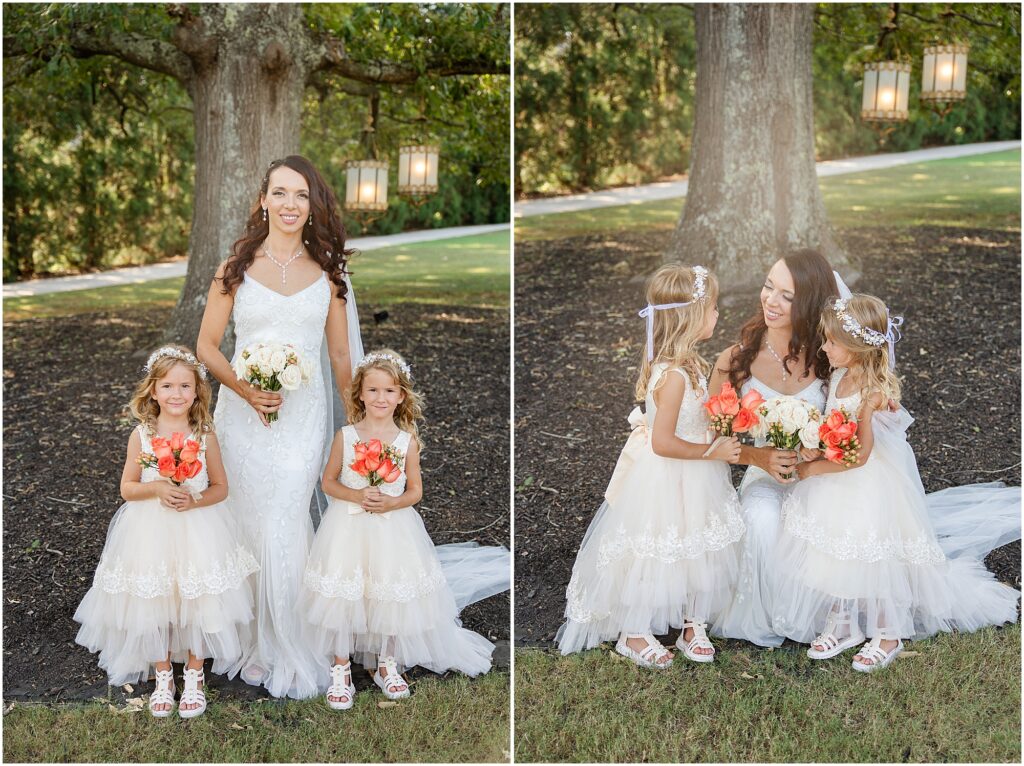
(661, 550)
(374, 586)
(858, 554)
(171, 582)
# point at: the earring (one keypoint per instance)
(264, 214)
(310, 219)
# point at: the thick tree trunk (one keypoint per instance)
(753, 192)
(250, 66)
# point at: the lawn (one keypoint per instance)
(951, 698)
(982, 191)
(466, 271)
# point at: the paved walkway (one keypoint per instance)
(676, 189)
(133, 275)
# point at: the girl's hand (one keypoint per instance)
(367, 497)
(188, 505)
(810, 454)
(172, 497)
(264, 402)
(777, 462)
(728, 450)
(805, 470)
(380, 503)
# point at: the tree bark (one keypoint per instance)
(753, 189)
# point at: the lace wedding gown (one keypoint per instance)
(272, 473)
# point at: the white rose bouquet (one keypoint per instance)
(787, 423)
(273, 367)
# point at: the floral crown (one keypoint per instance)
(173, 353)
(871, 337)
(700, 294)
(379, 356)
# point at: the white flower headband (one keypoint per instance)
(700, 281)
(173, 353)
(872, 337)
(378, 356)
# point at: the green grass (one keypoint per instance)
(466, 271)
(957, 699)
(452, 720)
(981, 191)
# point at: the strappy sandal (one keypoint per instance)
(873, 651)
(163, 694)
(392, 679)
(341, 686)
(832, 643)
(700, 640)
(192, 694)
(646, 657)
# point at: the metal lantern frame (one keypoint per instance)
(882, 78)
(417, 169)
(366, 186)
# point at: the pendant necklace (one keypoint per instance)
(777, 358)
(284, 266)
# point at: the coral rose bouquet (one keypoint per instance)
(788, 423)
(728, 414)
(175, 459)
(379, 463)
(273, 367)
(838, 435)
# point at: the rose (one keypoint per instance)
(180, 473)
(831, 439)
(834, 454)
(161, 448)
(165, 466)
(809, 435)
(835, 419)
(374, 448)
(800, 415)
(744, 421)
(277, 360)
(714, 406)
(194, 468)
(846, 430)
(290, 378)
(359, 466)
(177, 441)
(190, 451)
(393, 474)
(730, 403)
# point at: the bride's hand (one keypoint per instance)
(264, 402)
(778, 462)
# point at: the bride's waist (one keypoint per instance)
(309, 351)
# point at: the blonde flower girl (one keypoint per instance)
(661, 550)
(858, 554)
(171, 582)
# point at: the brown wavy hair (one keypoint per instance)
(324, 238)
(408, 412)
(813, 285)
(145, 409)
(873, 361)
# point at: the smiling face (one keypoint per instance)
(286, 200)
(176, 391)
(380, 394)
(777, 297)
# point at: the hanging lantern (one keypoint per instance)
(367, 185)
(417, 170)
(886, 91)
(944, 75)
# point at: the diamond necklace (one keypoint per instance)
(777, 358)
(282, 266)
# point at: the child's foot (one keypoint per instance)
(161, 701)
(645, 650)
(694, 642)
(390, 680)
(877, 653)
(829, 643)
(193, 698)
(341, 694)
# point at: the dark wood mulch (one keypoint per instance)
(578, 341)
(67, 382)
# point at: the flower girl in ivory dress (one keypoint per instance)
(374, 586)
(171, 582)
(660, 552)
(858, 554)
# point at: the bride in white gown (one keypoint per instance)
(286, 283)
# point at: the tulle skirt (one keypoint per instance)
(168, 582)
(661, 549)
(373, 586)
(862, 542)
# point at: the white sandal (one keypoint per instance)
(646, 657)
(700, 640)
(393, 678)
(163, 694)
(873, 651)
(192, 694)
(832, 643)
(341, 686)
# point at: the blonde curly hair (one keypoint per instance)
(873, 361)
(143, 404)
(408, 412)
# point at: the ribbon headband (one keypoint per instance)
(700, 276)
(891, 335)
(173, 353)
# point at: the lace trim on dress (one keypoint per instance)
(576, 598)
(402, 589)
(336, 585)
(159, 580)
(860, 544)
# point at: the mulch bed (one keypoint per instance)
(67, 382)
(578, 342)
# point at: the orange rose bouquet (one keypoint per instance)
(731, 415)
(380, 464)
(838, 435)
(175, 459)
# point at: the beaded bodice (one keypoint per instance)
(692, 421)
(197, 483)
(850, 403)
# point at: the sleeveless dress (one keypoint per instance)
(862, 541)
(749, 616)
(272, 473)
(373, 585)
(168, 581)
(664, 544)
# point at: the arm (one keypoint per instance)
(337, 346)
(382, 503)
(218, 489)
(132, 486)
(719, 372)
(211, 333)
(864, 435)
(664, 442)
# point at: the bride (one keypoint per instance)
(285, 281)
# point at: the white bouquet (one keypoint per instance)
(272, 367)
(787, 423)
